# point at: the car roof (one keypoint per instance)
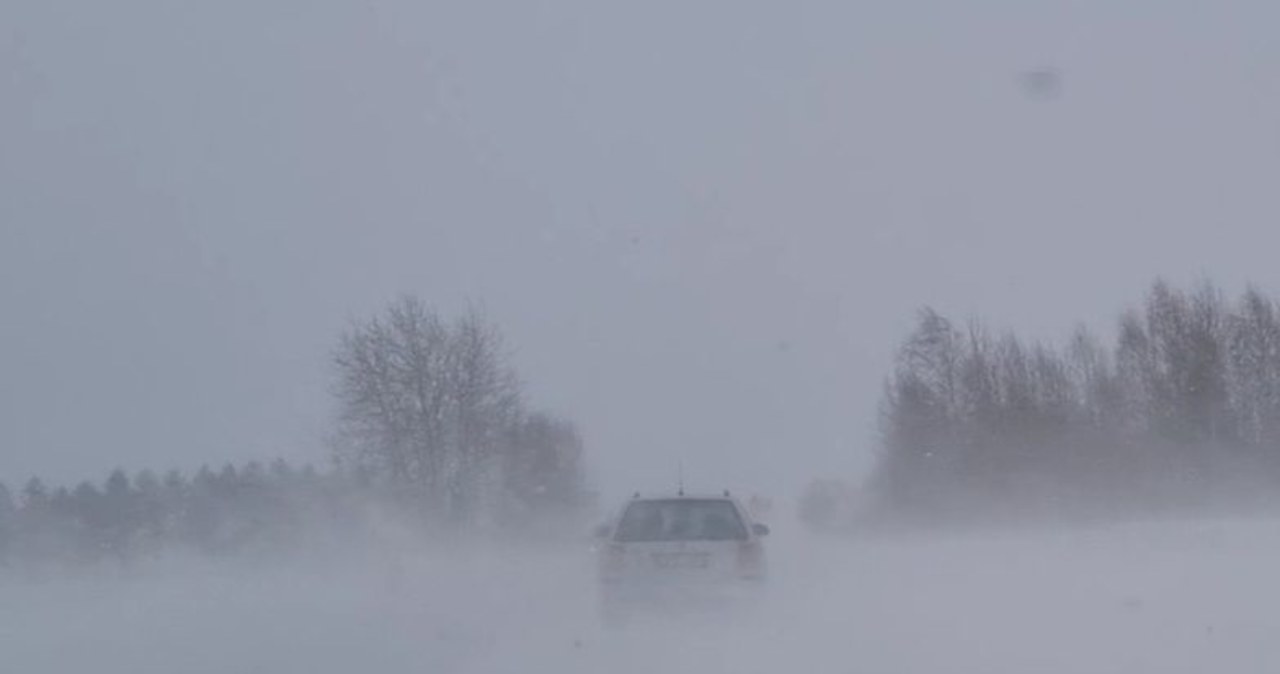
(682, 495)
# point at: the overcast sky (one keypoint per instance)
(702, 225)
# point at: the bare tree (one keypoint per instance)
(391, 391)
(1254, 359)
(542, 464)
(484, 400)
(426, 405)
(919, 416)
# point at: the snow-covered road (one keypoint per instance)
(1159, 598)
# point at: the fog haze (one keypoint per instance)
(701, 227)
(704, 230)
(1124, 599)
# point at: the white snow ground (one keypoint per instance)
(1167, 598)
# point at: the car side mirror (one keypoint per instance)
(601, 531)
(760, 529)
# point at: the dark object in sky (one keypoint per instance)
(1041, 83)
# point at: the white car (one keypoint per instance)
(679, 550)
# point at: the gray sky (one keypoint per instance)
(702, 225)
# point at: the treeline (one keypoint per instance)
(233, 510)
(236, 510)
(1182, 410)
(433, 432)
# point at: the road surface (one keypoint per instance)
(1159, 598)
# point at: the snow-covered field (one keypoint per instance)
(1160, 598)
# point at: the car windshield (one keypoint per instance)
(681, 520)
